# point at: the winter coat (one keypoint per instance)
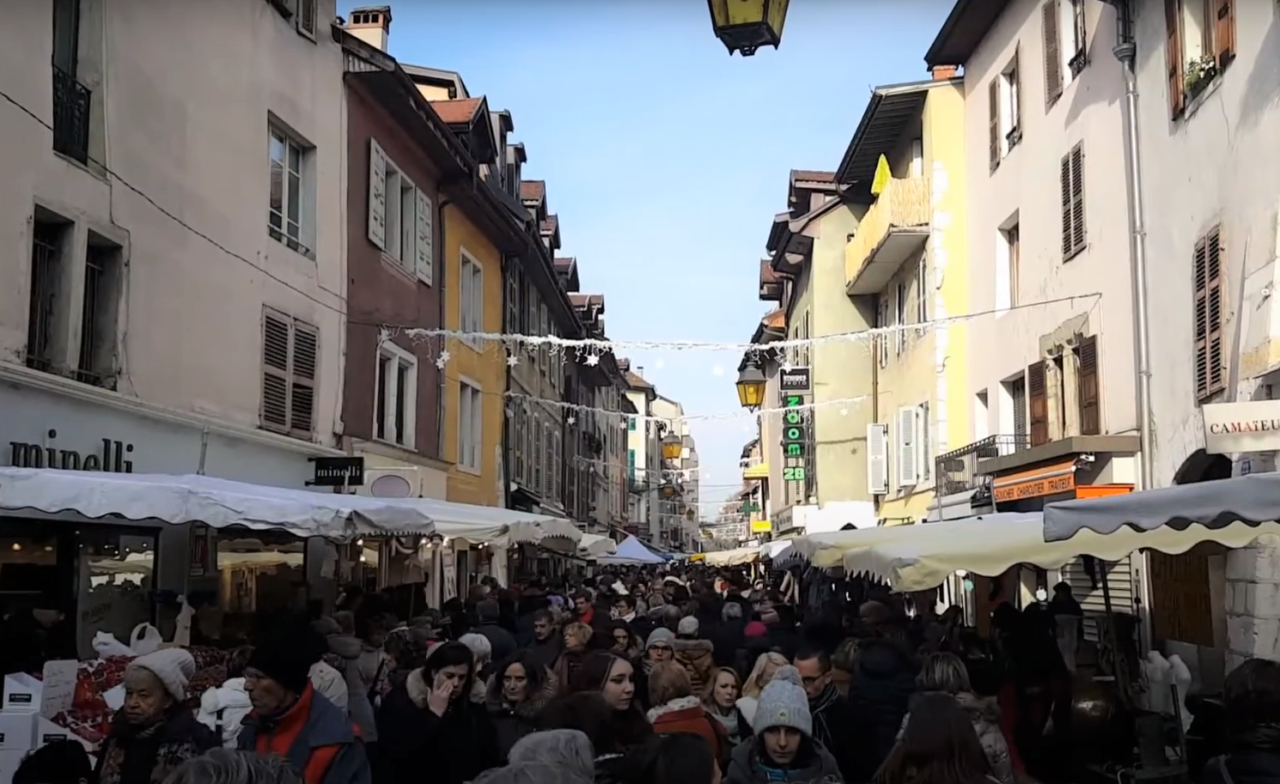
(131, 755)
(686, 714)
(546, 653)
(501, 641)
(883, 682)
(222, 709)
(314, 736)
(747, 766)
(359, 668)
(696, 656)
(727, 639)
(610, 769)
(834, 723)
(1246, 766)
(985, 715)
(327, 680)
(513, 722)
(458, 746)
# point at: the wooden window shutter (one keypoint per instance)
(424, 229)
(275, 372)
(1087, 375)
(1038, 403)
(377, 195)
(1224, 31)
(993, 107)
(1210, 376)
(1173, 54)
(302, 392)
(1064, 181)
(1077, 197)
(1052, 52)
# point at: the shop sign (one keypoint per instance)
(761, 526)
(796, 379)
(1035, 487)
(337, 471)
(795, 436)
(109, 458)
(1241, 427)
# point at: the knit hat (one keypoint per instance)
(783, 703)
(172, 666)
(660, 636)
(287, 664)
(688, 626)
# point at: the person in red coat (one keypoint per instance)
(676, 709)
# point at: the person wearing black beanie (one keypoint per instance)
(293, 720)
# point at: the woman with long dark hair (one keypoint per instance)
(613, 678)
(938, 746)
(520, 688)
(429, 720)
(588, 713)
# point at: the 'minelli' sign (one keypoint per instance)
(110, 457)
(1241, 427)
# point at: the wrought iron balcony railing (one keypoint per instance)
(70, 116)
(957, 470)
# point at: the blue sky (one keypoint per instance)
(666, 159)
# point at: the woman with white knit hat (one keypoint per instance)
(782, 747)
(155, 731)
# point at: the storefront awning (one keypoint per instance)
(738, 557)
(929, 554)
(218, 503)
(594, 546)
(1249, 500)
(757, 471)
(1045, 480)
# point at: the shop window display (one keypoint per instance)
(260, 574)
(115, 582)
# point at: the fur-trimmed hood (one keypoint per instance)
(692, 648)
(678, 704)
(497, 705)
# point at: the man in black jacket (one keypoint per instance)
(834, 724)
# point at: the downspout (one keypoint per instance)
(441, 279)
(507, 418)
(1125, 51)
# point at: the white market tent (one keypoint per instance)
(631, 551)
(827, 550)
(595, 546)
(735, 557)
(924, 556)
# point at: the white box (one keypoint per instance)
(47, 732)
(17, 731)
(9, 762)
(22, 692)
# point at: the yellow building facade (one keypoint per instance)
(475, 382)
(909, 257)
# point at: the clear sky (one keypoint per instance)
(665, 158)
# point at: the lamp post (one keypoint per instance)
(746, 25)
(672, 447)
(751, 384)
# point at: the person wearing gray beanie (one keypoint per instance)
(783, 747)
(660, 646)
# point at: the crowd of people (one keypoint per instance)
(679, 677)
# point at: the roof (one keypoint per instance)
(775, 319)
(458, 88)
(809, 175)
(635, 382)
(966, 26)
(457, 112)
(565, 264)
(533, 190)
(551, 225)
(888, 111)
(767, 275)
(587, 300)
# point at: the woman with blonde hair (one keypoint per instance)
(719, 700)
(577, 636)
(766, 666)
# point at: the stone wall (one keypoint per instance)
(1253, 602)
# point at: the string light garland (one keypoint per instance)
(625, 417)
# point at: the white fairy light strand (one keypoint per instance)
(720, 415)
(592, 348)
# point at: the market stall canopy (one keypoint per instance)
(477, 524)
(219, 503)
(827, 550)
(926, 555)
(594, 546)
(737, 557)
(631, 551)
(1251, 499)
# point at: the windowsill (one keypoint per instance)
(1193, 105)
(301, 250)
(88, 168)
(407, 448)
(397, 268)
(468, 470)
(1073, 254)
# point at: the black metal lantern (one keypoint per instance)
(751, 386)
(746, 25)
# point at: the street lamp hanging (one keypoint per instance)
(672, 447)
(746, 25)
(751, 383)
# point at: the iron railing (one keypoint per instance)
(92, 330)
(957, 470)
(44, 295)
(70, 116)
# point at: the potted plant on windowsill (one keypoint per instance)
(1200, 71)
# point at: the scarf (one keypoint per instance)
(817, 709)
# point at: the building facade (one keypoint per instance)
(908, 261)
(643, 475)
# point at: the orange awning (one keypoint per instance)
(1045, 480)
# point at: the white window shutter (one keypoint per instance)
(908, 460)
(425, 246)
(877, 459)
(377, 195)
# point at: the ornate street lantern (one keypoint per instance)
(751, 383)
(672, 447)
(746, 25)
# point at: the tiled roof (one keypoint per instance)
(767, 275)
(812, 176)
(636, 382)
(533, 190)
(775, 319)
(624, 364)
(551, 224)
(587, 300)
(564, 263)
(459, 111)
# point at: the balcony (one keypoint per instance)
(70, 116)
(893, 230)
(957, 470)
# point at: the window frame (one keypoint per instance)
(470, 446)
(290, 375)
(1071, 181)
(1208, 285)
(400, 358)
(304, 243)
(470, 296)
(1216, 47)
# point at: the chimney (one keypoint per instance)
(371, 24)
(940, 72)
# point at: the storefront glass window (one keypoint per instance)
(116, 574)
(260, 573)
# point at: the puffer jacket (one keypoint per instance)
(513, 722)
(985, 715)
(359, 668)
(698, 659)
(223, 709)
(747, 766)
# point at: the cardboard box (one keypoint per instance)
(17, 731)
(22, 693)
(47, 732)
(9, 762)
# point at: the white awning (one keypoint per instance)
(594, 546)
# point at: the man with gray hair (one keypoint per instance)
(729, 636)
(531, 773)
(227, 766)
(567, 749)
(483, 653)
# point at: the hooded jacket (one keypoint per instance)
(359, 668)
(459, 745)
(222, 709)
(513, 722)
(747, 766)
(314, 736)
(698, 659)
(883, 682)
(686, 714)
(984, 712)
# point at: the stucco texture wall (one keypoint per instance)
(484, 366)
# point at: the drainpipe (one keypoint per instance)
(441, 278)
(1125, 50)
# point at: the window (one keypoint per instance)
(290, 352)
(548, 470)
(995, 142)
(557, 466)
(631, 466)
(470, 426)
(1200, 42)
(882, 321)
(47, 312)
(1072, 184)
(1062, 25)
(917, 157)
(290, 214)
(305, 18)
(922, 289)
(518, 424)
(513, 301)
(1014, 398)
(1007, 265)
(900, 317)
(397, 389)
(471, 299)
(1208, 285)
(1010, 106)
(401, 219)
(926, 453)
(908, 446)
(1037, 393)
(103, 268)
(71, 98)
(536, 435)
(1086, 359)
(981, 416)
